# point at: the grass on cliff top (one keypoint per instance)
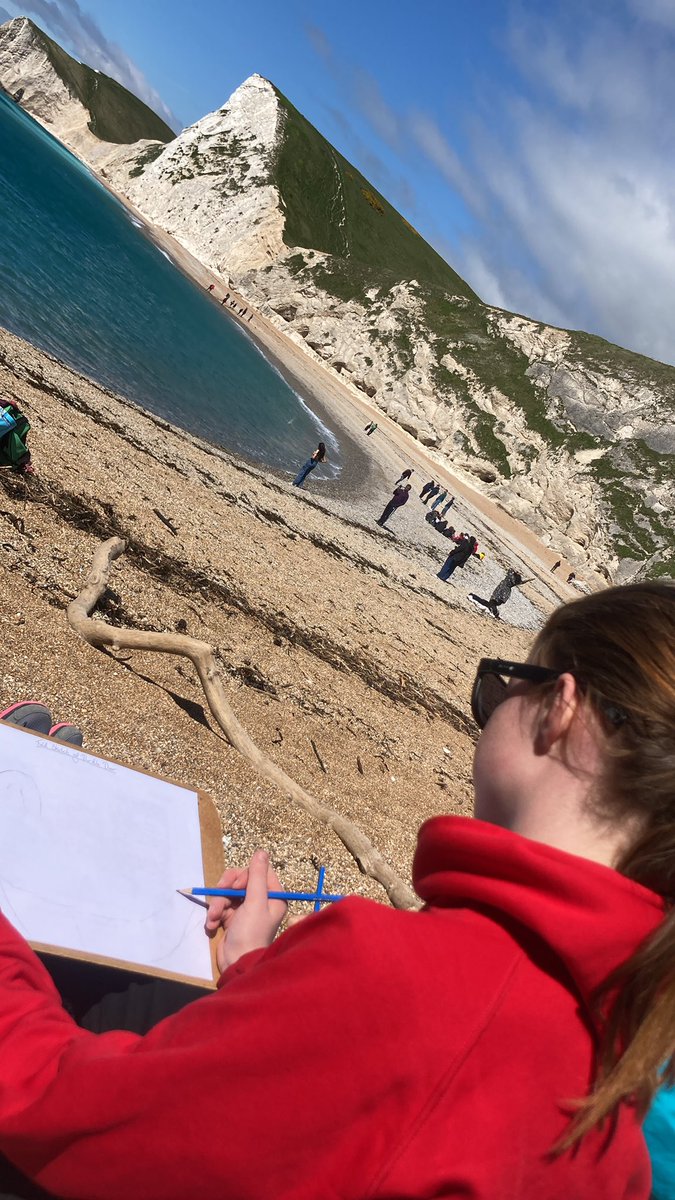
(116, 114)
(330, 206)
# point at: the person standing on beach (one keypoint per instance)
(433, 491)
(427, 488)
(372, 429)
(449, 505)
(318, 456)
(458, 557)
(440, 498)
(399, 498)
(555, 566)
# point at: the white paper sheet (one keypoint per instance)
(91, 854)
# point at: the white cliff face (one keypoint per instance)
(593, 401)
(24, 64)
(211, 189)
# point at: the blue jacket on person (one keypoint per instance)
(659, 1131)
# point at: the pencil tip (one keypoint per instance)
(184, 891)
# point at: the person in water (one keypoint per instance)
(504, 1041)
(318, 456)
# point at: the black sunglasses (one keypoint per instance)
(491, 684)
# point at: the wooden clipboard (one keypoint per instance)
(210, 835)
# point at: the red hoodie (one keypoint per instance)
(366, 1053)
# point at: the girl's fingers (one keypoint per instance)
(233, 877)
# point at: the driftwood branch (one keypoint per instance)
(99, 633)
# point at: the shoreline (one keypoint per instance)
(358, 466)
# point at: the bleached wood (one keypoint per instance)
(202, 656)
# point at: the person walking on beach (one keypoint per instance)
(427, 488)
(439, 499)
(371, 428)
(458, 557)
(403, 477)
(318, 456)
(448, 506)
(555, 566)
(433, 491)
(225, 298)
(399, 498)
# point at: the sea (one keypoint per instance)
(81, 278)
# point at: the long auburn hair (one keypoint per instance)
(620, 646)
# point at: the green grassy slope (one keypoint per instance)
(116, 114)
(330, 206)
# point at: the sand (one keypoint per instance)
(349, 662)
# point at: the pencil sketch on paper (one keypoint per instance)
(90, 859)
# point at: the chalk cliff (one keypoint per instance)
(90, 112)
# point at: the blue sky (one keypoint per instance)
(532, 142)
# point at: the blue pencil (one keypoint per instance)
(322, 897)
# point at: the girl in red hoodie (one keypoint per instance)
(503, 1042)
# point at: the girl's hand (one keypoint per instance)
(250, 923)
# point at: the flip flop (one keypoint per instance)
(63, 732)
(28, 714)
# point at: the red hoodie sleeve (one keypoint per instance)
(212, 1099)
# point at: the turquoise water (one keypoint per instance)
(79, 278)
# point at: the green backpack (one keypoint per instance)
(13, 449)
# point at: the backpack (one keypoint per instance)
(13, 449)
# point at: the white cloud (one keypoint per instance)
(438, 150)
(580, 187)
(79, 33)
(659, 12)
(371, 102)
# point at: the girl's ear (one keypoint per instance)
(556, 717)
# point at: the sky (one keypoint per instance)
(532, 142)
